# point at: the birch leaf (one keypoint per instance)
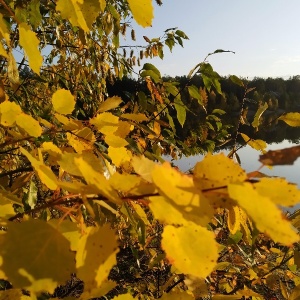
(216, 171)
(100, 242)
(29, 124)
(142, 11)
(9, 112)
(266, 215)
(110, 103)
(292, 119)
(30, 43)
(63, 101)
(192, 249)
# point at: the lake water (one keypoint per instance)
(249, 162)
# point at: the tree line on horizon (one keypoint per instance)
(204, 131)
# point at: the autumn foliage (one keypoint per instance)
(85, 188)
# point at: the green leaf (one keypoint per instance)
(34, 13)
(194, 92)
(181, 111)
(35, 256)
(32, 195)
(292, 119)
(218, 111)
(150, 67)
(181, 34)
(236, 80)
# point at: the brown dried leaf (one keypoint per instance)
(285, 156)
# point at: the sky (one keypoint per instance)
(264, 34)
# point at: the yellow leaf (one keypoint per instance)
(135, 117)
(142, 11)
(143, 166)
(29, 124)
(30, 43)
(292, 119)
(91, 9)
(180, 189)
(8, 113)
(159, 205)
(2, 51)
(52, 149)
(63, 102)
(106, 122)
(192, 249)
(119, 155)
(16, 294)
(217, 171)
(266, 215)
(177, 294)
(123, 129)
(124, 182)
(45, 246)
(259, 145)
(110, 103)
(45, 174)
(115, 141)
(70, 9)
(69, 230)
(279, 191)
(69, 124)
(99, 292)
(4, 31)
(124, 297)
(99, 242)
(234, 219)
(82, 139)
(12, 70)
(97, 180)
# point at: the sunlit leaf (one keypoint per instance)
(109, 103)
(115, 141)
(259, 145)
(44, 172)
(97, 180)
(9, 112)
(234, 219)
(266, 215)
(31, 244)
(143, 166)
(30, 43)
(100, 242)
(119, 155)
(135, 117)
(29, 124)
(180, 189)
(259, 114)
(197, 258)
(142, 11)
(63, 101)
(70, 9)
(91, 9)
(106, 122)
(217, 171)
(279, 190)
(292, 119)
